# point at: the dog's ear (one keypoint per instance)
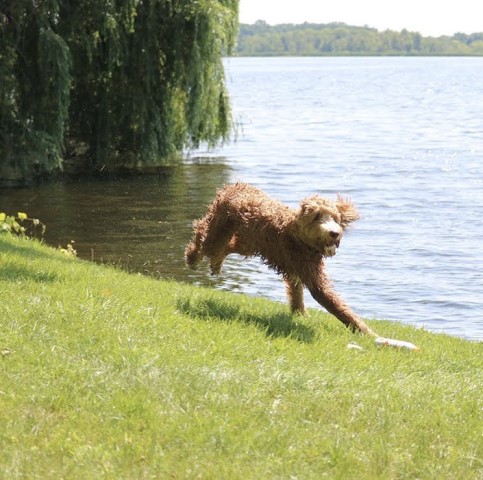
(309, 205)
(348, 211)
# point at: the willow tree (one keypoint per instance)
(35, 81)
(127, 82)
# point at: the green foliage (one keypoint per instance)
(129, 83)
(21, 225)
(110, 375)
(34, 88)
(341, 39)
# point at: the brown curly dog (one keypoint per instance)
(244, 220)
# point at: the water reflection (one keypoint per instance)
(141, 223)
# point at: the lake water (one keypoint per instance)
(402, 136)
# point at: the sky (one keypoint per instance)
(428, 17)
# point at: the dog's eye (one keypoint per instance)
(318, 217)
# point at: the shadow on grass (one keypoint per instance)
(278, 324)
(14, 273)
(26, 250)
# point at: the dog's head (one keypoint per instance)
(322, 222)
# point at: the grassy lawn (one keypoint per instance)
(105, 374)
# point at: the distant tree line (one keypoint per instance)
(261, 39)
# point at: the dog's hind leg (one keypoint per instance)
(295, 293)
(193, 253)
(217, 243)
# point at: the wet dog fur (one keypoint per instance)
(242, 219)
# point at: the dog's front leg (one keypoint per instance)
(295, 293)
(333, 303)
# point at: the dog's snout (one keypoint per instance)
(336, 236)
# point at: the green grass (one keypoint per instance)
(105, 374)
